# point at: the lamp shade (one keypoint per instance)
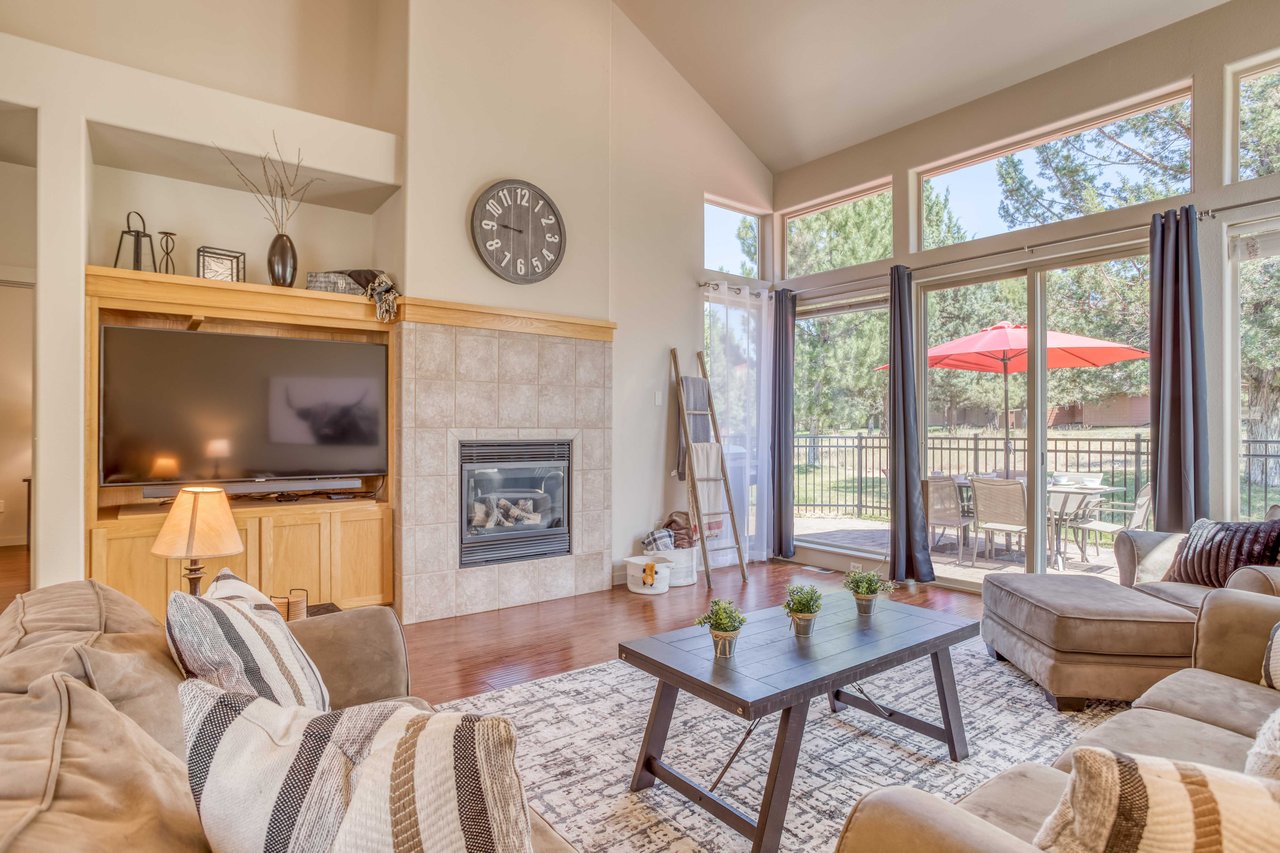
(199, 524)
(217, 448)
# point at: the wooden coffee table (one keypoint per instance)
(773, 670)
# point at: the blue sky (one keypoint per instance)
(721, 239)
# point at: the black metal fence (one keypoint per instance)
(849, 474)
(1259, 476)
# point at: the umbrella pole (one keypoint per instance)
(1008, 444)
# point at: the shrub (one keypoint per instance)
(722, 616)
(802, 599)
(867, 583)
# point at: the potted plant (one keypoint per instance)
(866, 588)
(724, 621)
(802, 605)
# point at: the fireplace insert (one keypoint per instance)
(515, 500)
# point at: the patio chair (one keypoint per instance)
(999, 506)
(1087, 521)
(945, 512)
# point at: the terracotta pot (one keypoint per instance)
(802, 623)
(866, 603)
(725, 642)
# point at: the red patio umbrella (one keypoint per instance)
(1002, 349)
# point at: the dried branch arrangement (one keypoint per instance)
(280, 194)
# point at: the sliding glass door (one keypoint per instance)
(1256, 264)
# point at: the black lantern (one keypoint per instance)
(136, 235)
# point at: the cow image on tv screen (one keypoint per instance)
(323, 410)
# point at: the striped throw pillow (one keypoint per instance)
(383, 776)
(1118, 803)
(1264, 756)
(1271, 661)
(229, 585)
(244, 647)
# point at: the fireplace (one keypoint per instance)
(515, 500)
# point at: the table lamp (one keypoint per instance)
(217, 449)
(199, 525)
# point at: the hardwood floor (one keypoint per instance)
(15, 573)
(465, 655)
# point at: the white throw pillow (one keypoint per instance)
(1264, 755)
(1142, 803)
(1271, 661)
(242, 646)
(227, 584)
(383, 776)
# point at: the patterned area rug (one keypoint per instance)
(579, 734)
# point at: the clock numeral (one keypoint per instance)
(493, 244)
(546, 254)
(505, 195)
(539, 207)
(522, 196)
(506, 257)
(553, 238)
(549, 219)
(537, 265)
(520, 266)
(489, 225)
(493, 207)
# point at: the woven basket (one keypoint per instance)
(292, 606)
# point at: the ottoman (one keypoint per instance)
(1081, 637)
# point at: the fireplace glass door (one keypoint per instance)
(515, 500)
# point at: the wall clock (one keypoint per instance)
(517, 231)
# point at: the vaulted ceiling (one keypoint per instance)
(799, 79)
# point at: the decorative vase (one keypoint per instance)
(802, 623)
(282, 261)
(725, 642)
(866, 603)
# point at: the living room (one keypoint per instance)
(421, 396)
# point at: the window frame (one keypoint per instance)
(1183, 90)
(760, 219)
(865, 191)
(1236, 74)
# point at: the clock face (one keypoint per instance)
(518, 232)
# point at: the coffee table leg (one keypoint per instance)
(782, 772)
(655, 734)
(952, 722)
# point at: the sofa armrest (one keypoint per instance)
(1261, 579)
(360, 653)
(1143, 556)
(1232, 632)
(907, 819)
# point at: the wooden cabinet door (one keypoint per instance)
(295, 554)
(245, 565)
(362, 559)
(121, 558)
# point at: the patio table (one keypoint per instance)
(1071, 498)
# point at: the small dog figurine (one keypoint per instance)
(650, 575)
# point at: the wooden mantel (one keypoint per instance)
(147, 292)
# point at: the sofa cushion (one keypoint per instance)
(1215, 549)
(1188, 595)
(101, 637)
(1116, 801)
(1019, 799)
(1074, 613)
(79, 775)
(1144, 732)
(381, 776)
(243, 647)
(1209, 697)
(1264, 755)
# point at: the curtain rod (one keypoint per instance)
(735, 289)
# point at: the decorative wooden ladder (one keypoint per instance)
(694, 476)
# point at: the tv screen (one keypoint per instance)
(181, 406)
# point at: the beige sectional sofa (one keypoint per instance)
(96, 755)
(1208, 713)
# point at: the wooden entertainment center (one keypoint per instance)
(339, 550)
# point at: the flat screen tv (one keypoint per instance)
(181, 407)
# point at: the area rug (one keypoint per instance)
(579, 734)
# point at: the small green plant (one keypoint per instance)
(722, 616)
(802, 599)
(867, 583)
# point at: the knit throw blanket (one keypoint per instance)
(1215, 549)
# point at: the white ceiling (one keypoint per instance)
(799, 79)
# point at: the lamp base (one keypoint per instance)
(194, 574)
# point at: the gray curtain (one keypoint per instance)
(783, 429)
(1179, 416)
(908, 532)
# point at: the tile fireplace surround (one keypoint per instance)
(458, 384)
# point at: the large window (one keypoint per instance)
(731, 241)
(1137, 158)
(1257, 269)
(841, 235)
(1259, 129)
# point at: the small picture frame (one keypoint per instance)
(219, 264)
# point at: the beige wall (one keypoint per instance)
(17, 220)
(508, 90)
(17, 305)
(339, 58)
(668, 148)
(326, 238)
